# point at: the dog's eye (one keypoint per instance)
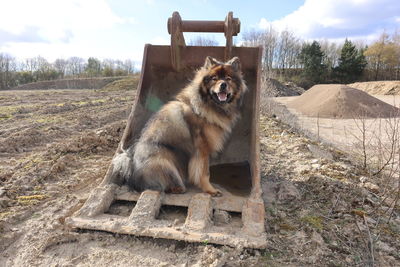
(228, 78)
(214, 78)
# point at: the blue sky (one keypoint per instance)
(120, 28)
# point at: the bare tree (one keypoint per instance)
(332, 53)
(288, 49)
(129, 66)
(76, 66)
(60, 66)
(203, 41)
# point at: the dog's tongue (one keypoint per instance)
(222, 96)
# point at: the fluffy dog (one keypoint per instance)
(176, 144)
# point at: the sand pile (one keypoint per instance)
(379, 87)
(341, 101)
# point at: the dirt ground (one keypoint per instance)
(56, 145)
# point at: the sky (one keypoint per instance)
(119, 29)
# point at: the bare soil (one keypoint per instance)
(275, 88)
(56, 145)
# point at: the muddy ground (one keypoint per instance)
(56, 145)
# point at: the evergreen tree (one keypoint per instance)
(311, 57)
(351, 63)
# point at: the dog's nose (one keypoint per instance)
(223, 86)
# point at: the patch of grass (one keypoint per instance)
(99, 101)
(5, 214)
(333, 174)
(269, 256)
(47, 120)
(7, 112)
(80, 103)
(359, 212)
(391, 230)
(30, 200)
(5, 116)
(287, 227)
(313, 221)
(32, 162)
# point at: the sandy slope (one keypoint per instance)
(378, 87)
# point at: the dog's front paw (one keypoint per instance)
(215, 193)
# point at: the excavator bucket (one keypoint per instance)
(236, 218)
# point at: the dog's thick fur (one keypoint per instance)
(179, 139)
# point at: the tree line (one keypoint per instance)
(285, 56)
(15, 72)
(289, 58)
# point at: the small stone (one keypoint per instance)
(384, 247)
(314, 161)
(319, 152)
(371, 187)
(363, 179)
(222, 217)
(316, 166)
(287, 191)
(4, 201)
(176, 222)
(317, 239)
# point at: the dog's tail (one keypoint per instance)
(123, 164)
(154, 173)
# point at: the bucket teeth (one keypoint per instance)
(198, 226)
(199, 212)
(99, 201)
(147, 206)
(253, 215)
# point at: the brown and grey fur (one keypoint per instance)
(177, 142)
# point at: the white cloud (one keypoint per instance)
(264, 24)
(150, 2)
(55, 21)
(332, 19)
(159, 40)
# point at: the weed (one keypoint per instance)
(313, 221)
(30, 200)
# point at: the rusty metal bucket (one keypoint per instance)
(236, 171)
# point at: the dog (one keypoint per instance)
(177, 142)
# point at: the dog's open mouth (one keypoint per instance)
(222, 96)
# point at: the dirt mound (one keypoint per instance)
(275, 88)
(81, 83)
(379, 87)
(130, 83)
(341, 101)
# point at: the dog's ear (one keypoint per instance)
(235, 63)
(211, 62)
